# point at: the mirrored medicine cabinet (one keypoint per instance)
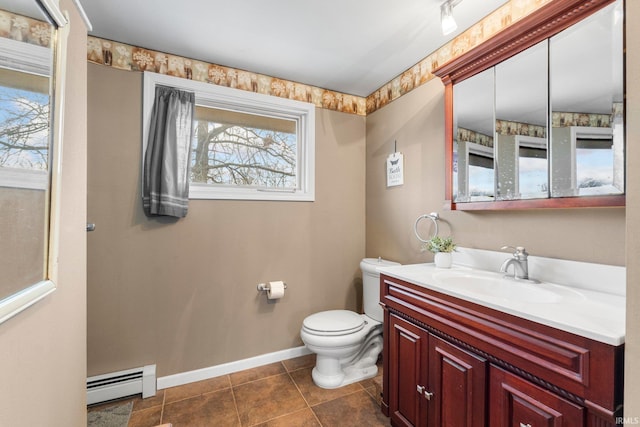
(535, 115)
(31, 42)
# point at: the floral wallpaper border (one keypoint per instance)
(421, 72)
(24, 29)
(132, 58)
(122, 56)
(506, 127)
(558, 119)
(126, 57)
(468, 135)
(562, 119)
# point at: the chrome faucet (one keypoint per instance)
(519, 262)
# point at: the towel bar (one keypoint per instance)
(434, 217)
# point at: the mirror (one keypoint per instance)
(473, 145)
(28, 42)
(587, 139)
(521, 127)
(537, 112)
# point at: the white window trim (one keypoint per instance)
(531, 142)
(26, 57)
(256, 103)
(24, 178)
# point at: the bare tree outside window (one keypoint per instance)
(24, 129)
(230, 154)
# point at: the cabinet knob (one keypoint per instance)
(429, 395)
(525, 425)
(420, 389)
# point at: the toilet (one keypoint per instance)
(347, 344)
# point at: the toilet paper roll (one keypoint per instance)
(276, 290)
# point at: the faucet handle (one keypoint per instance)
(519, 252)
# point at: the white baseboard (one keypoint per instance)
(229, 368)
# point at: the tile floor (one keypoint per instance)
(281, 394)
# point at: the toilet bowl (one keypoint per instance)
(347, 344)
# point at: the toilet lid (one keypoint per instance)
(333, 322)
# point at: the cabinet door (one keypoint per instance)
(520, 403)
(408, 352)
(458, 383)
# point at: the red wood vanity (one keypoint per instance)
(453, 363)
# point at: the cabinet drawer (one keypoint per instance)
(517, 402)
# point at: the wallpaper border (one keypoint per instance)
(132, 58)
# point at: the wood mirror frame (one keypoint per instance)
(539, 25)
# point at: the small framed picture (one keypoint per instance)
(395, 169)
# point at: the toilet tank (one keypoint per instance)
(371, 286)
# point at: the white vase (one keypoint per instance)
(443, 259)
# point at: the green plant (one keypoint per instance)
(440, 244)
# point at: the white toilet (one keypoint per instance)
(347, 344)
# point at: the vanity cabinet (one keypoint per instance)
(449, 362)
(434, 382)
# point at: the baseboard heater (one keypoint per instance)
(121, 384)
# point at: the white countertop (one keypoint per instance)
(589, 313)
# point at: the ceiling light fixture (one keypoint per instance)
(446, 16)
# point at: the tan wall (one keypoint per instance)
(632, 345)
(22, 233)
(43, 349)
(182, 293)
(416, 121)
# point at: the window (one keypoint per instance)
(246, 145)
(24, 115)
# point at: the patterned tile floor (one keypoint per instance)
(281, 394)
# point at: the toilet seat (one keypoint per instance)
(333, 323)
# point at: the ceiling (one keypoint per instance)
(352, 46)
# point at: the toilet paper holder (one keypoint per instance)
(265, 287)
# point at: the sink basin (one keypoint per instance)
(496, 286)
(590, 313)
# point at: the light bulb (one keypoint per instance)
(446, 18)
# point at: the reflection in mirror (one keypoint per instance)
(586, 72)
(521, 125)
(473, 124)
(557, 138)
(26, 64)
